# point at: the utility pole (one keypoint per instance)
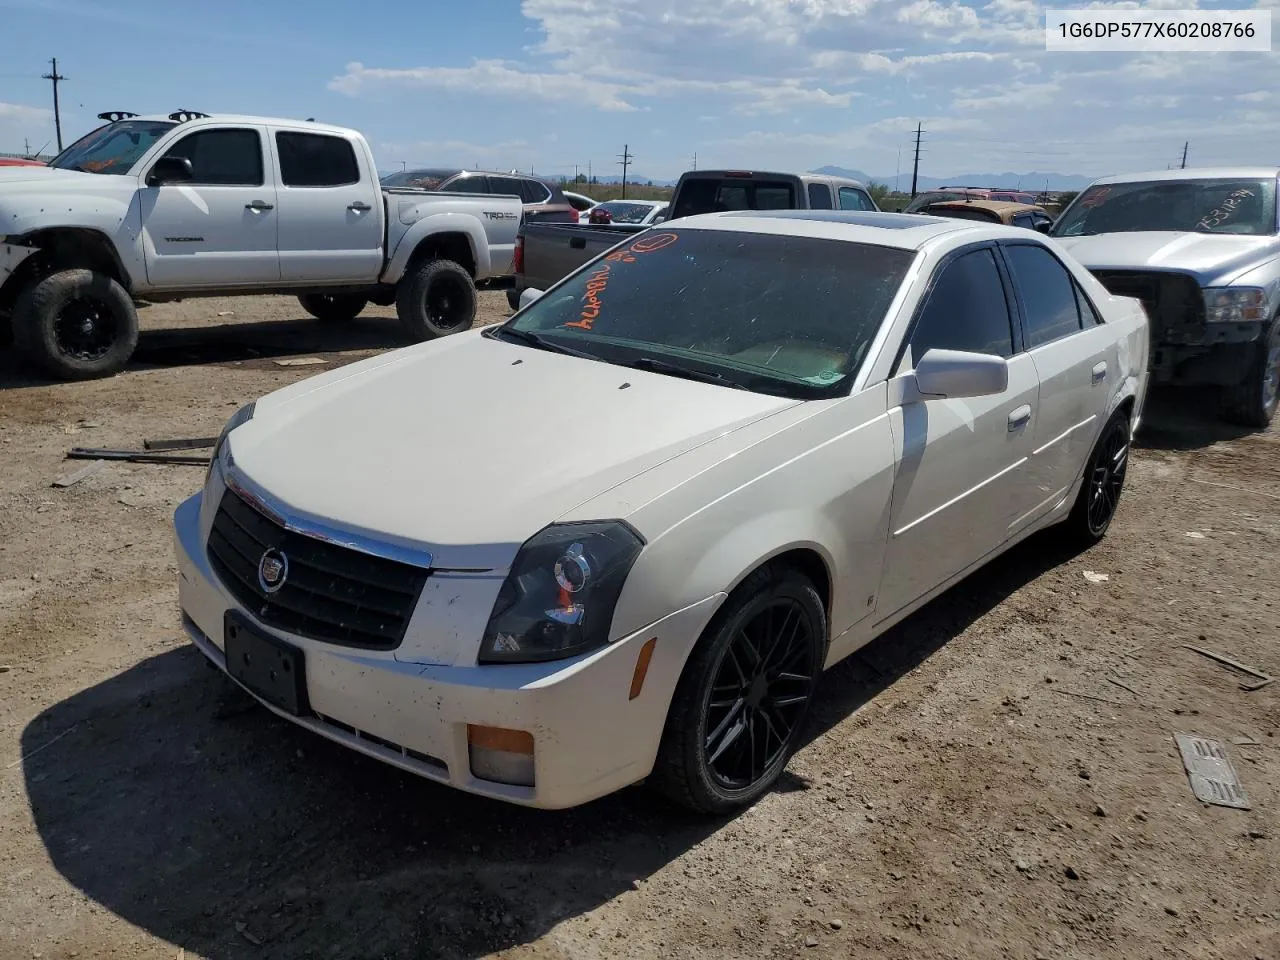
(915, 169)
(26, 147)
(625, 158)
(403, 166)
(695, 160)
(1184, 153)
(897, 169)
(590, 176)
(55, 76)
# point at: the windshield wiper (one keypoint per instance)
(654, 365)
(538, 341)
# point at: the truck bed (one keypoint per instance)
(554, 250)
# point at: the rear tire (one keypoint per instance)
(1101, 486)
(436, 299)
(76, 325)
(740, 706)
(1253, 403)
(333, 307)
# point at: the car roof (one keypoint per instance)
(225, 118)
(995, 206)
(906, 231)
(1195, 173)
(647, 203)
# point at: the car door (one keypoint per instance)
(960, 477)
(329, 209)
(220, 228)
(1077, 359)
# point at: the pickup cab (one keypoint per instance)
(1201, 250)
(545, 253)
(147, 209)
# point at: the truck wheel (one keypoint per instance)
(333, 307)
(1253, 403)
(436, 299)
(76, 325)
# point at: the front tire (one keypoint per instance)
(76, 325)
(1103, 482)
(436, 299)
(739, 709)
(333, 307)
(1253, 403)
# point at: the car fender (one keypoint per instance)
(433, 225)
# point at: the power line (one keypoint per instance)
(57, 113)
(915, 168)
(625, 158)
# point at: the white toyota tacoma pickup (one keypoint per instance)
(156, 208)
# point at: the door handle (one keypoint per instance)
(259, 205)
(1020, 416)
(359, 205)
(1099, 371)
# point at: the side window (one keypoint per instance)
(1024, 220)
(1048, 293)
(225, 158)
(1088, 315)
(506, 185)
(852, 198)
(534, 192)
(469, 184)
(316, 160)
(819, 196)
(967, 310)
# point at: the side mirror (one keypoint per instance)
(170, 170)
(1044, 226)
(529, 295)
(958, 374)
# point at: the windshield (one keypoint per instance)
(420, 179)
(777, 314)
(622, 212)
(1235, 206)
(114, 148)
(924, 199)
(963, 213)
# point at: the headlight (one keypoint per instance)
(1234, 304)
(558, 599)
(241, 416)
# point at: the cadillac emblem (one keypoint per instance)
(273, 570)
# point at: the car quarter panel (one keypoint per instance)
(817, 477)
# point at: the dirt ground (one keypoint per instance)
(974, 785)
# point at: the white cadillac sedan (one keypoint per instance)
(620, 536)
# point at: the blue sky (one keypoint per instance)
(547, 84)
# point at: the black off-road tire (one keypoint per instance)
(76, 325)
(1253, 403)
(333, 307)
(513, 298)
(1100, 488)
(435, 299)
(683, 770)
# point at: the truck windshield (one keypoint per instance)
(114, 148)
(1236, 206)
(712, 194)
(775, 314)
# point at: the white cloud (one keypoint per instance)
(840, 76)
(21, 113)
(485, 77)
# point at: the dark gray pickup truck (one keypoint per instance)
(547, 253)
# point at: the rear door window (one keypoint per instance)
(1048, 294)
(506, 185)
(534, 192)
(819, 196)
(316, 160)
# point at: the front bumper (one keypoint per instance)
(590, 737)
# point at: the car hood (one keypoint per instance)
(468, 446)
(1211, 258)
(45, 175)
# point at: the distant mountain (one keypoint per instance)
(1008, 181)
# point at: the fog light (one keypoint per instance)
(502, 756)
